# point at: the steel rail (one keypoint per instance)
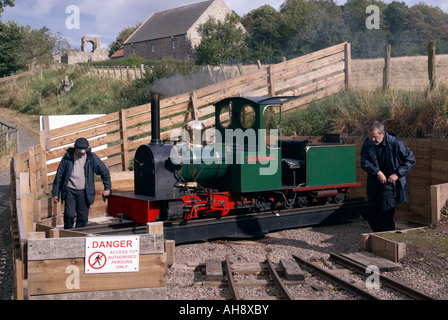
(332, 278)
(230, 280)
(278, 281)
(393, 284)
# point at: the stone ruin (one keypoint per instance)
(75, 56)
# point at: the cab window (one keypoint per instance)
(272, 126)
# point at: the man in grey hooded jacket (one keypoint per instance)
(74, 182)
(387, 161)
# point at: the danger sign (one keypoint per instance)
(112, 254)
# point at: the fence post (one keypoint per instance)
(223, 71)
(193, 105)
(142, 71)
(210, 72)
(432, 64)
(124, 137)
(43, 143)
(386, 70)
(7, 142)
(348, 65)
(271, 86)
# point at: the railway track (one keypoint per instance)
(384, 280)
(281, 287)
(359, 269)
(273, 280)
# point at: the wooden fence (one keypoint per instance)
(403, 73)
(9, 140)
(431, 168)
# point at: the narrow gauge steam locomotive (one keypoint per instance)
(248, 168)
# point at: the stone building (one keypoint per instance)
(75, 56)
(173, 33)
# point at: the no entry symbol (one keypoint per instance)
(97, 260)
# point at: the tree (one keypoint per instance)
(421, 24)
(221, 41)
(121, 38)
(11, 35)
(395, 16)
(298, 25)
(38, 46)
(265, 37)
(311, 25)
(330, 27)
(6, 3)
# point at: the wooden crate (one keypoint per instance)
(55, 270)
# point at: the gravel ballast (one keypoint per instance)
(428, 273)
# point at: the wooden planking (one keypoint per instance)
(292, 270)
(108, 139)
(303, 69)
(312, 97)
(369, 259)
(213, 270)
(57, 276)
(312, 56)
(315, 86)
(439, 197)
(91, 132)
(122, 294)
(306, 79)
(72, 248)
(385, 248)
(84, 125)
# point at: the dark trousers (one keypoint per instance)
(76, 206)
(380, 213)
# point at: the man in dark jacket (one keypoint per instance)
(75, 182)
(387, 161)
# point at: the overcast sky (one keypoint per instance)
(106, 18)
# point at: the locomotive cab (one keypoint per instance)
(250, 129)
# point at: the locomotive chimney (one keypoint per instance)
(155, 118)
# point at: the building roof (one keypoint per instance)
(118, 54)
(169, 23)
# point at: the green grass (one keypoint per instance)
(410, 114)
(40, 94)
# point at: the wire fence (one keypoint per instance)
(404, 73)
